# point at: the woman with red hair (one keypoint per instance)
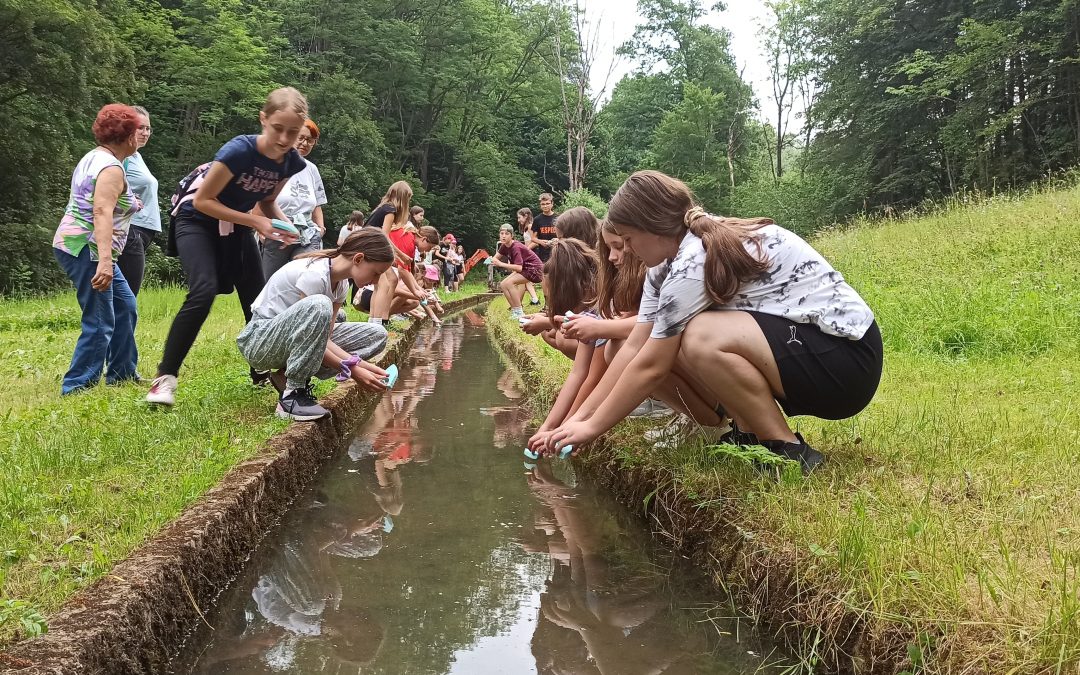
(301, 200)
(90, 237)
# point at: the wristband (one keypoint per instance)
(346, 367)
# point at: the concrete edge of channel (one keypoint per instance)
(136, 618)
(760, 581)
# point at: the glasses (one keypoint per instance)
(147, 129)
(307, 140)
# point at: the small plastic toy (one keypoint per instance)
(489, 260)
(564, 453)
(523, 320)
(284, 226)
(391, 376)
(532, 455)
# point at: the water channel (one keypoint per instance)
(427, 547)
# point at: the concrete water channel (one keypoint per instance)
(427, 547)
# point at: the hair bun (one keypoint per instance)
(693, 214)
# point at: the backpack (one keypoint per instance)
(185, 192)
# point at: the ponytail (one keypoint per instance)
(370, 241)
(727, 262)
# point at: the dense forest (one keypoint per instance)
(482, 104)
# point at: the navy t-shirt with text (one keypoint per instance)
(255, 176)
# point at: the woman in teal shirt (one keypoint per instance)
(145, 224)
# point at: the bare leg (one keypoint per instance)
(513, 288)
(725, 357)
(530, 288)
(383, 297)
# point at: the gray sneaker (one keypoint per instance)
(651, 408)
(300, 405)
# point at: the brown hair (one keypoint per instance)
(570, 272)
(578, 223)
(288, 99)
(659, 204)
(115, 123)
(429, 234)
(546, 196)
(355, 218)
(618, 289)
(371, 241)
(415, 209)
(527, 212)
(398, 195)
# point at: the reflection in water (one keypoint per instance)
(484, 572)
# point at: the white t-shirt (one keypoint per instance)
(303, 192)
(800, 286)
(296, 280)
(343, 234)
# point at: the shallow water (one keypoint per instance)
(429, 548)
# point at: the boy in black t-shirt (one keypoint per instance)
(543, 229)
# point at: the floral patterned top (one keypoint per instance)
(76, 230)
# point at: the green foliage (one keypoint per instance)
(583, 197)
(22, 616)
(28, 262)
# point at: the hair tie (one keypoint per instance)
(693, 214)
(346, 368)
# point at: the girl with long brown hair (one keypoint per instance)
(792, 334)
(294, 329)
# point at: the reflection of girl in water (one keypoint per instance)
(618, 621)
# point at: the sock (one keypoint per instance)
(375, 320)
(517, 312)
(286, 393)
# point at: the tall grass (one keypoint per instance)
(87, 478)
(950, 507)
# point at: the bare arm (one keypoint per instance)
(107, 188)
(206, 201)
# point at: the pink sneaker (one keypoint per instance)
(162, 390)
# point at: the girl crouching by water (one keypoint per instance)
(790, 333)
(293, 323)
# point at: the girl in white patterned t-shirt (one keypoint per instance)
(792, 332)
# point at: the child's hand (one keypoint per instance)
(536, 324)
(538, 441)
(369, 380)
(373, 368)
(583, 328)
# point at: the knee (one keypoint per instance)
(201, 293)
(320, 306)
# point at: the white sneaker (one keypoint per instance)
(162, 390)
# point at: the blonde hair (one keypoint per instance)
(618, 289)
(570, 276)
(286, 98)
(398, 195)
(659, 204)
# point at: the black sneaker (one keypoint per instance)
(300, 405)
(799, 451)
(739, 437)
(259, 377)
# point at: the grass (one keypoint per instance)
(88, 478)
(950, 508)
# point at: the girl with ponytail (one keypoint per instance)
(292, 328)
(791, 334)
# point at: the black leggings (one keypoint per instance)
(132, 261)
(212, 265)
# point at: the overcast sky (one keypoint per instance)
(617, 18)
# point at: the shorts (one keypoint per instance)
(533, 274)
(365, 299)
(823, 375)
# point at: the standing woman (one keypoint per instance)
(301, 200)
(215, 231)
(146, 224)
(90, 237)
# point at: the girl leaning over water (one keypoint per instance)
(214, 228)
(790, 333)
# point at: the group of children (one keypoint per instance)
(732, 323)
(295, 329)
(630, 300)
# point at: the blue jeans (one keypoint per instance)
(108, 326)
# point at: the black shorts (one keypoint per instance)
(823, 375)
(365, 300)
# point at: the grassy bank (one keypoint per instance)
(948, 514)
(88, 478)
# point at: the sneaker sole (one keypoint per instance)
(160, 400)
(299, 418)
